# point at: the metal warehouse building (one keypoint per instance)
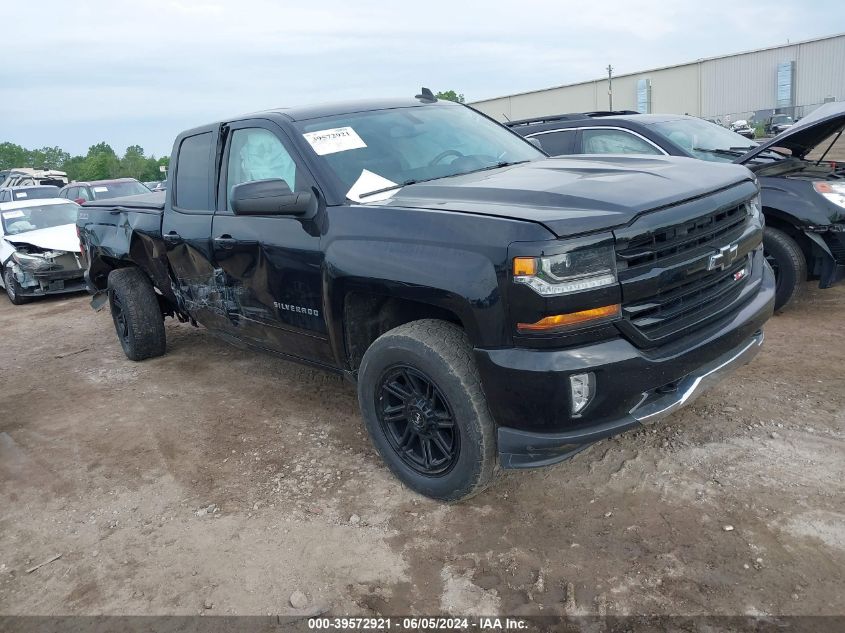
(791, 79)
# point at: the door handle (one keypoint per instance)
(172, 238)
(225, 241)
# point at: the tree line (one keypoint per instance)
(101, 162)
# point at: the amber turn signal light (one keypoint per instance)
(562, 321)
(524, 266)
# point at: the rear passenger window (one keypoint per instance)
(557, 143)
(192, 173)
(615, 142)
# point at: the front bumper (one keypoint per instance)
(830, 246)
(524, 449)
(528, 389)
(39, 284)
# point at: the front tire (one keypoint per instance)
(421, 399)
(788, 263)
(137, 316)
(13, 288)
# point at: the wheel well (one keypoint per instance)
(368, 316)
(105, 265)
(792, 231)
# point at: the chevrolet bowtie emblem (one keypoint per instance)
(724, 258)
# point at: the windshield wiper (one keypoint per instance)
(415, 181)
(718, 152)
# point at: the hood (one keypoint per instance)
(571, 195)
(802, 137)
(55, 238)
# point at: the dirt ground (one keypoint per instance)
(220, 481)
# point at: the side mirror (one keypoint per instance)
(535, 143)
(271, 197)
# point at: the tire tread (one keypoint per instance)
(147, 337)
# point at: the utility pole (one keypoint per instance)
(610, 86)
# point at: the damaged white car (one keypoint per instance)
(39, 249)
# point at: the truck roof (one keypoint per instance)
(316, 111)
(319, 110)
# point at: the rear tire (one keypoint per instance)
(421, 399)
(789, 265)
(13, 288)
(137, 316)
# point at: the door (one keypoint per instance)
(271, 265)
(186, 231)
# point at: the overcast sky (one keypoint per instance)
(76, 73)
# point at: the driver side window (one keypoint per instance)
(257, 154)
(615, 142)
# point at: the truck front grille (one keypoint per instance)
(679, 276)
(653, 247)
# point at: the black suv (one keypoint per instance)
(803, 200)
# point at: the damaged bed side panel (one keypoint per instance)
(125, 236)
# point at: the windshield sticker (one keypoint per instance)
(13, 214)
(339, 139)
(100, 189)
(21, 194)
(368, 182)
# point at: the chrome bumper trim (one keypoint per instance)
(693, 385)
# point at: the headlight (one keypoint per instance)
(29, 261)
(567, 273)
(755, 208)
(835, 193)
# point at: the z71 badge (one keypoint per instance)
(298, 309)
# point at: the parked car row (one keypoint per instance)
(803, 200)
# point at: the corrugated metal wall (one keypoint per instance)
(734, 86)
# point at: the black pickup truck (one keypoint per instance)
(496, 307)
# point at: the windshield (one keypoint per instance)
(781, 118)
(36, 193)
(118, 189)
(704, 140)
(38, 217)
(385, 147)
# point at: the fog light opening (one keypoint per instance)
(582, 388)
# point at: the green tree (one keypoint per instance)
(100, 163)
(450, 95)
(133, 164)
(47, 158)
(73, 167)
(12, 155)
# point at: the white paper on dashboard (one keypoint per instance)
(100, 189)
(368, 181)
(338, 139)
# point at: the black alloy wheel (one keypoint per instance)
(417, 421)
(118, 313)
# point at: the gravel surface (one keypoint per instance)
(221, 481)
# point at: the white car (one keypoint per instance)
(39, 249)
